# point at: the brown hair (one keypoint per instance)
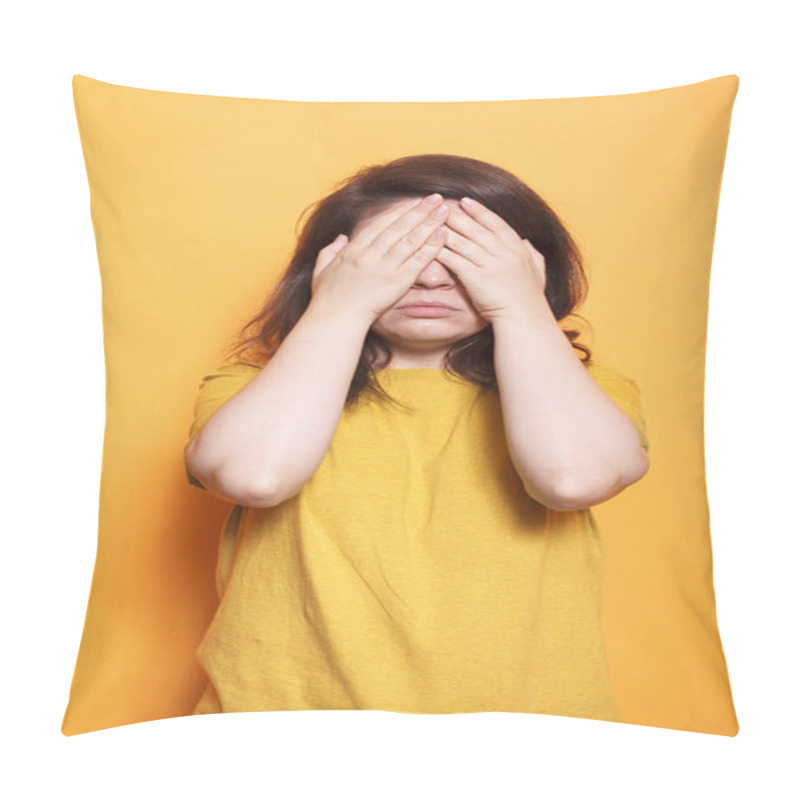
(373, 187)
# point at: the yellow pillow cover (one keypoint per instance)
(195, 202)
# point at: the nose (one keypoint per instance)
(435, 275)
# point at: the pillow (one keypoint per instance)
(196, 202)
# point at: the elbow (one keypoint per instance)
(264, 496)
(560, 496)
(571, 494)
(236, 488)
(565, 498)
(263, 493)
(642, 466)
(236, 483)
(569, 497)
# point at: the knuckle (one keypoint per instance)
(394, 227)
(409, 240)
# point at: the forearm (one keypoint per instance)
(570, 443)
(269, 439)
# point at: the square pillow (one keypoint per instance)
(414, 570)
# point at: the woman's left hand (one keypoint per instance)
(502, 273)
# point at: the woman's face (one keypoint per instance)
(423, 335)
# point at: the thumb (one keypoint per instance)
(328, 253)
(538, 260)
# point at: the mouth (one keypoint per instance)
(427, 305)
(427, 310)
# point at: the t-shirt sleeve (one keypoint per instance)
(216, 388)
(626, 395)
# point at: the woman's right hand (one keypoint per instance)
(374, 269)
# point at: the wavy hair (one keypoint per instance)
(369, 190)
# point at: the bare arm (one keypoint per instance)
(250, 449)
(264, 443)
(570, 443)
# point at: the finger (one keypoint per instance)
(329, 252)
(409, 244)
(336, 245)
(469, 228)
(407, 232)
(367, 234)
(533, 250)
(487, 219)
(455, 261)
(467, 248)
(538, 260)
(537, 256)
(421, 257)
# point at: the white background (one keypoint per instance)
(54, 386)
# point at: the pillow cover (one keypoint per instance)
(195, 202)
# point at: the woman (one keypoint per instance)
(412, 483)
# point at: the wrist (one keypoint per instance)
(537, 314)
(339, 315)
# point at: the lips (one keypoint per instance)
(427, 305)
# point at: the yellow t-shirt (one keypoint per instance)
(412, 572)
